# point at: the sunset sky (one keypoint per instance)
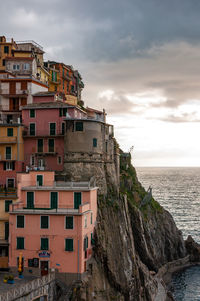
(139, 59)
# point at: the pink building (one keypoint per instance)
(45, 129)
(52, 224)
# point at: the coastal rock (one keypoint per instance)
(193, 249)
(132, 241)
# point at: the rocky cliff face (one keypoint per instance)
(132, 240)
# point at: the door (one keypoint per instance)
(44, 267)
(39, 180)
(30, 199)
(12, 88)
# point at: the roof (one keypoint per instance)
(19, 58)
(94, 110)
(45, 93)
(45, 105)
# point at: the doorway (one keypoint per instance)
(44, 267)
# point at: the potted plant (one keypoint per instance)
(10, 279)
(5, 279)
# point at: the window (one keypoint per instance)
(6, 228)
(106, 146)
(8, 153)
(20, 221)
(26, 66)
(63, 85)
(69, 244)
(32, 113)
(39, 180)
(54, 200)
(15, 67)
(59, 160)
(32, 160)
(64, 111)
(6, 49)
(85, 243)
(44, 222)
(7, 205)
(91, 218)
(20, 243)
(44, 244)
(77, 199)
(54, 76)
(79, 126)
(94, 142)
(40, 145)
(52, 129)
(32, 129)
(30, 199)
(11, 183)
(85, 221)
(51, 145)
(3, 62)
(69, 222)
(10, 132)
(63, 128)
(9, 165)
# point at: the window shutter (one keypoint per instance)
(44, 244)
(69, 244)
(20, 221)
(30, 199)
(44, 222)
(69, 222)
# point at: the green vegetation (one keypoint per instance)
(131, 187)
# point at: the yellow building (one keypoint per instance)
(6, 48)
(11, 162)
(54, 79)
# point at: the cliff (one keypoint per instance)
(134, 237)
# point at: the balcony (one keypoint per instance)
(42, 133)
(8, 193)
(8, 157)
(67, 77)
(8, 140)
(62, 186)
(43, 209)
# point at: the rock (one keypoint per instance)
(193, 249)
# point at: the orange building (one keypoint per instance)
(6, 48)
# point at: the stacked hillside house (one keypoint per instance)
(48, 140)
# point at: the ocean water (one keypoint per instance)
(178, 191)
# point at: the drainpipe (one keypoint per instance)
(18, 143)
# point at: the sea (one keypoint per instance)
(177, 189)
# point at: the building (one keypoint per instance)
(11, 162)
(11, 153)
(63, 78)
(6, 49)
(44, 137)
(52, 224)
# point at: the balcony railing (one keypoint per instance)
(8, 140)
(8, 157)
(8, 193)
(43, 208)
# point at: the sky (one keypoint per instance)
(139, 59)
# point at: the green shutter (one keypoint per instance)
(77, 199)
(52, 129)
(51, 145)
(8, 152)
(30, 199)
(44, 244)
(20, 243)
(6, 230)
(40, 145)
(20, 221)
(60, 112)
(69, 222)
(32, 113)
(44, 222)
(40, 180)
(63, 128)
(79, 126)
(10, 132)
(69, 244)
(64, 111)
(7, 205)
(94, 142)
(32, 129)
(54, 200)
